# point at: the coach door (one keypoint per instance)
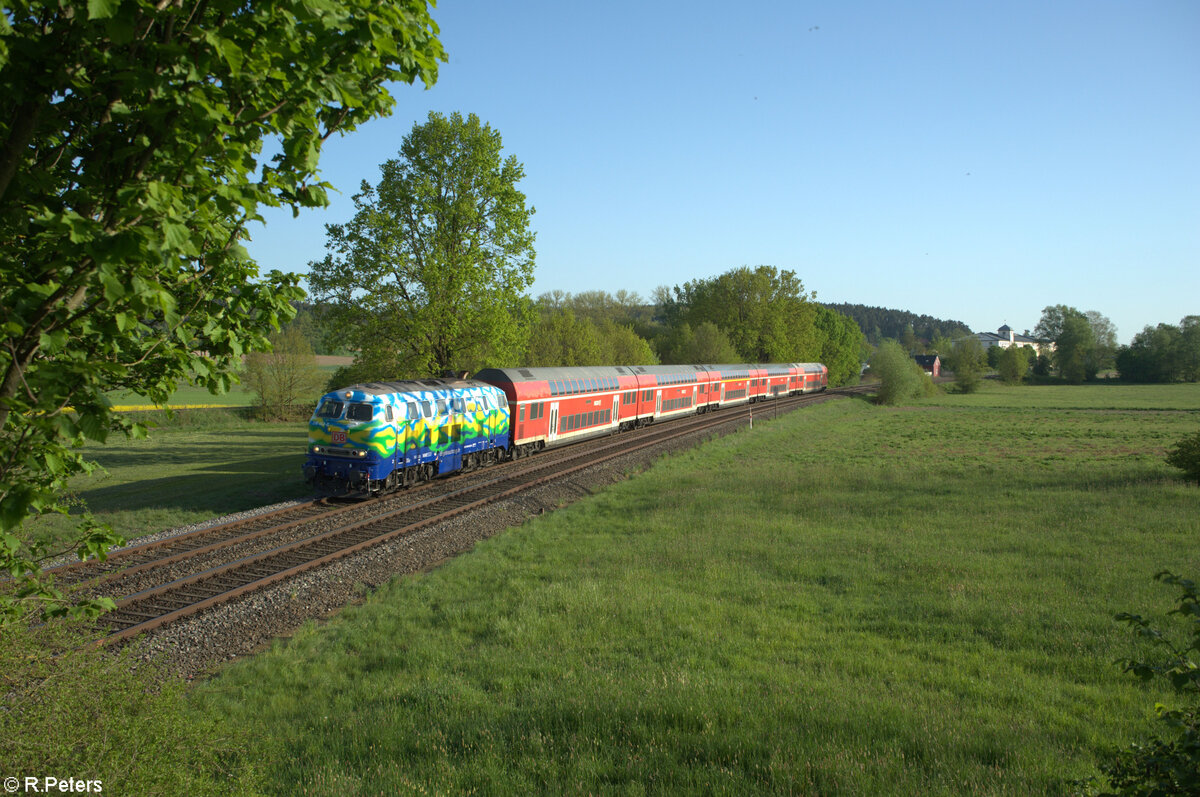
(552, 432)
(616, 416)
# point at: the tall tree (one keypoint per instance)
(966, 361)
(432, 272)
(286, 379)
(1104, 349)
(1083, 342)
(764, 311)
(1074, 350)
(841, 346)
(131, 138)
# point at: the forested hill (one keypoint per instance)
(878, 323)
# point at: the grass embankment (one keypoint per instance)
(850, 599)
(198, 465)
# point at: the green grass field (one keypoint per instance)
(200, 465)
(851, 599)
(238, 396)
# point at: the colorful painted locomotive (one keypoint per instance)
(382, 435)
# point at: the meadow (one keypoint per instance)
(849, 599)
(195, 466)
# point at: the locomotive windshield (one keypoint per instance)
(330, 409)
(360, 412)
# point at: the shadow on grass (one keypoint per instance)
(221, 487)
(216, 452)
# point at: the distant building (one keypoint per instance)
(930, 363)
(1005, 337)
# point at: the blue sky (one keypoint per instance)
(974, 161)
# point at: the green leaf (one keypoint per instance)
(102, 9)
(176, 236)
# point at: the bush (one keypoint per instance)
(1172, 765)
(966, 361)
(1186, 456)
(1013, 363)
(900, 378)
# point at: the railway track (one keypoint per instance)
(355, 527)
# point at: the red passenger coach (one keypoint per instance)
(554, 406)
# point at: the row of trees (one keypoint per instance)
(1165, 353)
(915, 333)
(1085, 344)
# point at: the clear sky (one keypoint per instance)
(972, 161)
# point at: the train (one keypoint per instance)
(380, 436)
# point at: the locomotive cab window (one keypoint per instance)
(359, 412)
(330, 409)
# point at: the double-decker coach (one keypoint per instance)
(555, 406)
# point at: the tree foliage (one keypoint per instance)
(1164, 353)
(131, 162)
(756, 315)
(966, 361)
(432, 272)
(1013, 364)
(841, 346)
(1084, 343)
(1185, 455)
(286, 378)
(561, 338)
(880, 323)
(764, 311)
(704, 344)
(900, 378)
(1170, 765)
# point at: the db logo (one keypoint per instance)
(339, 437)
